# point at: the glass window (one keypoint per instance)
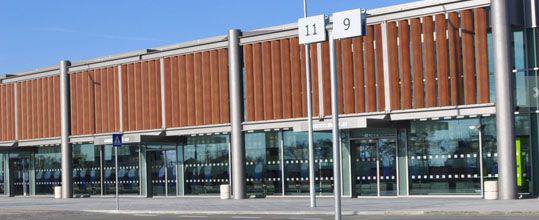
(128, 169)
(48, 169)
(2, 173)
(206, 164)
(263, 162)
(86, 169)
(522, 148)
(296, 162)
(443, 157)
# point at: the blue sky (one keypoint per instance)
(37, 34)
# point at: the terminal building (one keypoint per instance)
(416, 97)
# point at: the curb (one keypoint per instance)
(328, 213)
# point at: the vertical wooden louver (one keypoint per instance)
(196, 89)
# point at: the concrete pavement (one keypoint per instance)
(280, 206)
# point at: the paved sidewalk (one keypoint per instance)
(275, 206)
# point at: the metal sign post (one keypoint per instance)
(311, 30)
(116, 143)
(345, 24)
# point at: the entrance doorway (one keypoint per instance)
(374, 166)
(162, 170)
(19, 167)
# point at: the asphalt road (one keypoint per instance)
(45, 215)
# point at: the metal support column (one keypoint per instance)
(336, 134)
(67, 162)
(237, 148)
(505, 120)
(312, 189)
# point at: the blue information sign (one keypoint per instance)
(117, 140)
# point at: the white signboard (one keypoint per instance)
(349, 24)
(312, 29)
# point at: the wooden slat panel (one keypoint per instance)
(393, 68)
(50, 106)
(145, 85)
(78, 103)
(206, 88)
(430, 75)
(191, 114)
(468, 57)
(73, 96)
(116, 99)
(441, 60)
(303, 82)
(417, 54)
(28, 103)
(125, 100)
(20, 110)
(348, 76)
(404, 56)
(314, 78)
(38, 94)
(3, 124)
(340, 89)
(132, 97)
(44, 112)
(183, 91)
(109, 89)
(223, 86)
(169, 92)
(89, 102)
(481, 48)
(258, 77)
(23, 115)
(199, 108)
(34, 109)
(455, 63)
(139, 114)
(370, 91)
(173, 93)
(215, 109)
(249, 82)
(268, 81)
(98, 85)
(157, 90)
(11, 114)
(56, 81)
(359, 74)
(154, 102)
(276, 80)
(296, 78)
(287, 78)
(379, 68)
(326, 78)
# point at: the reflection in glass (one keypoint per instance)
(296, 162)
(2, 173)
(205, 164)
(263, 164)
(443, 157)
(128, 170)
(86, 169)
(48, 169)
(162, 164)
(522, 149)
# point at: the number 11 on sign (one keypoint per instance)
(312, 29)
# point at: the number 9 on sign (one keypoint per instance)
(348, 24)
(312, 29)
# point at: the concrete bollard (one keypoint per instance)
(225, 191)
(57, 192)
(491, 190)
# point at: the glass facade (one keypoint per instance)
(205, 160)
(2, 173)
(443, 157)
(86, 169)
(128, 170)
(47, 169)
(263, 162)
